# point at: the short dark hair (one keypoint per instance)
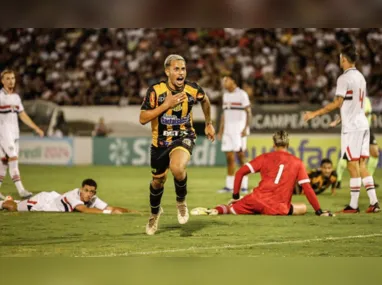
(89, 182)
(350, 53)
(326, 160)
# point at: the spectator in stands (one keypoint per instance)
(100, 129)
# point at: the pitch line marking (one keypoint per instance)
(228, 246)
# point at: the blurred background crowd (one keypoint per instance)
(115, 66)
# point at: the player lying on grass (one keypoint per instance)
(82, 199)
(322, 178)
(279, 172)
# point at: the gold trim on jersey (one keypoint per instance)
(181, 148)
(191, 90)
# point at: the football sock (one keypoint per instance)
(341, 166)
(222, 209)
(229, 181)
(372, 164)
(244, 182)
(181, 189)
(155, 198)
(368, 183)
(3, 172)
(15, 174)
(355, 187)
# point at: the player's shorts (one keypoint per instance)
(9, 147)
(41, 202)
(250, 205)
(233, 142)
(355, 145)
(160, 156)
(373, 140)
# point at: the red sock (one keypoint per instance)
(222, 209)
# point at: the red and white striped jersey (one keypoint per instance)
(10, 107)
(234, 104)
(68, 201)
(352, 86)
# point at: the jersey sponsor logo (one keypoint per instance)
(174, 120)
(171, 133)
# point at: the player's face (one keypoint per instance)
(227, 83)
(177, 73)
(9, 81)
(327, 169)
(87, 192)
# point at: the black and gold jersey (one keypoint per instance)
(175, 123)
(319, 182)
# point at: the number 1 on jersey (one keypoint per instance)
(279, 173)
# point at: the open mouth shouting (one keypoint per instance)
(179, 81)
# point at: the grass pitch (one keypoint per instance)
(74, 234)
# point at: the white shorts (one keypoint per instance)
(355, 145)
(41, 202)
(9, 146)
(234, 142)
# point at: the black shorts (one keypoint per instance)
(160, 156)
(372, 138)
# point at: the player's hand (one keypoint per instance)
(244, 133)
(333, 124)
(309, 115)
(40, 132)
(172, 100)
(210, 132)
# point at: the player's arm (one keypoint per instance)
(221, 127)
(337, 103)
(117, 210)
(209, 129)
(250, 167)
(150, 112)
(29, 122)
(247, 111)
(86, 210)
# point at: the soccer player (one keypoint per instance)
(355, 136)
(168, 106)
(11, 109)
(234, 129)
(279, 172)
(374, 149)
(322, 178)
(82, 199)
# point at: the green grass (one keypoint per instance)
(74, 234)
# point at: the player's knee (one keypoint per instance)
(178, 170)
(158, 183)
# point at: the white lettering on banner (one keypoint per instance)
(204, 154)
(45, 151)
(292, 121)
(142, 152)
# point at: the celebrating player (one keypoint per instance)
(10, 109)
(355, 136)
(168, 107)
(82, 199)
(234, 129)
(279, 172)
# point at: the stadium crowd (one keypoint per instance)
(115, 66)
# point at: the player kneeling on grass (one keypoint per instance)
(279, 172)
(82, 199)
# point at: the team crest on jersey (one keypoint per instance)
(177, 108)
(187, 142)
